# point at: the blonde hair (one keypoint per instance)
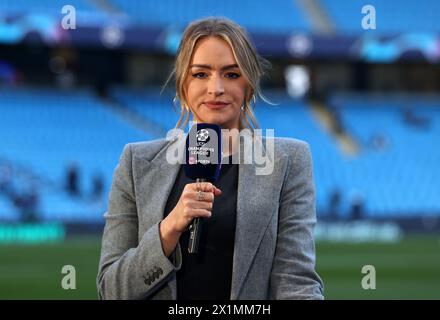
(250, 63)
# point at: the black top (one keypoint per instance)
(208, 274)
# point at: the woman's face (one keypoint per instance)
(215, 87)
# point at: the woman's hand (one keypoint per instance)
(195, 201)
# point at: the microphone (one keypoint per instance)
(203, 161)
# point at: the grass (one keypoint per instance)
(34, 271)
(409, 269)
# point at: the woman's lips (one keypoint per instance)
(216, 105)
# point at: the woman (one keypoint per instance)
(257, 240)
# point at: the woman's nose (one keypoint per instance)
(215, 86)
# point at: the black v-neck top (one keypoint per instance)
(208, 274)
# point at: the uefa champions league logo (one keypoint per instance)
(202, 137)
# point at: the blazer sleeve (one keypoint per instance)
(129, 268)
(293, 272)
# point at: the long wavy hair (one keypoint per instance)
(251, 64)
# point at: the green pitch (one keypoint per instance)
(35, 271)
(409, 269)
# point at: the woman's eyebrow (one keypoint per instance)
(207, 66)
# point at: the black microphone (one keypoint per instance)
(203, 162)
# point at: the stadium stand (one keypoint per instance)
(150, 104)
(284, 17)
(45, 130)
(87, 12)
(391, 17)
(395, 170)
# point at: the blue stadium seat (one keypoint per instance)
(45, 130)
(391, 17)
(283, 16)
(401, 177)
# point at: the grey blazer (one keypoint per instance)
(274, 251)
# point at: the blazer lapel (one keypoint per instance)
(156, 181)
(255, 208)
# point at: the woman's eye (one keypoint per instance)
(232, 75)
(199, 75)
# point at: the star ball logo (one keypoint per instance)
(202, 137)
